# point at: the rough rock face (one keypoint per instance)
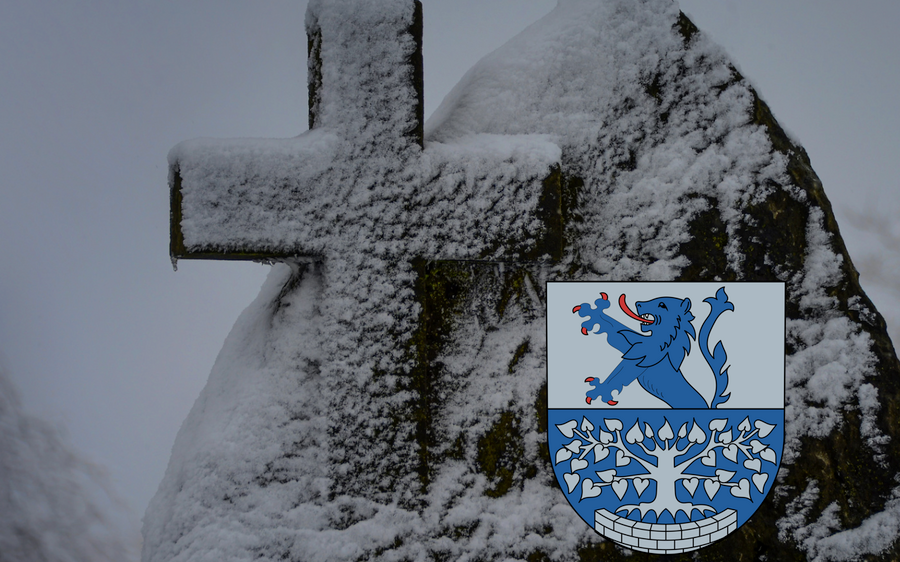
(385, 399)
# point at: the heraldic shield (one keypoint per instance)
(665, 406)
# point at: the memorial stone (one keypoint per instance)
(384, 397)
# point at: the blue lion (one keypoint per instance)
(655, 359)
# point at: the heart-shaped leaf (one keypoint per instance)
(753, 464)
(710, 486)
(613, 425)
(759, 480)
(717, 425)
(756, 446)
(589, 489)
(730, 452)
(696, 435)
(563, 455)
(690, 484)
(600, 452)
(607, 475)
(634, 434)
(764, 428)
(725, 437)
(722, 475)
(621, 459)
(620, 487)
(606, 438)
(768, 455)
(571, 481)
(665, 432)
(742, 490)
(586, 425)
(682, 431)
(709, 459)
(568, 428)
(574, 446)
(640, 484)
(648, 431)
(745, 425)
(578, 464)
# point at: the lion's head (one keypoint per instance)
(668, 319)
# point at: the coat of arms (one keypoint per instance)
(666, 406)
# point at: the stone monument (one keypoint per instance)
(384, 397)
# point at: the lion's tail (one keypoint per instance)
(716, 360)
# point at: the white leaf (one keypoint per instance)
(725, 437)
(586, 425)
(563, 455)
(683, 431)
(621, 459)
(613, 425)
(710, 486)
(574, 446)
(620, 487)
(753, 464)
(665, 432)
(768, 455)
(600, 453)
(764, 428)
(759, 480)
(589, 489)
(568, 428)
(745, 425)
(742, 490)
(730, 452)
(696, 435)
(640, 484)
(690, 484)
(717, 425)
(709, 459)
(607, 475)
(634, 434)
(578, 464)
(647, 431)
(756, 446)
(722, 475)
(571, 481)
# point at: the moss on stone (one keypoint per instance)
(500, 454)
(517, 356)
(441, 288)
(685, 28)
(706, 247)
(540, 408)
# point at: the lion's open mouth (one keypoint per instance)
(645, 318)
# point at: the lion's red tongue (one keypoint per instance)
(624, 306)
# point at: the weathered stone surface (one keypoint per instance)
(388, 405)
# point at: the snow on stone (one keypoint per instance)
(294, 448)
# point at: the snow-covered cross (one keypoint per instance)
(362, 178)
(375, 205)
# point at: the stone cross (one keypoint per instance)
(255, 199)
(372, 208)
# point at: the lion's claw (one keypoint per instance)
(611, 402)
(589, 379)
(588, 400)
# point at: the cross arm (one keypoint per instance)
(493, 198)
(247, 199)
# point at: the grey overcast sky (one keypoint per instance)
(103, 338)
